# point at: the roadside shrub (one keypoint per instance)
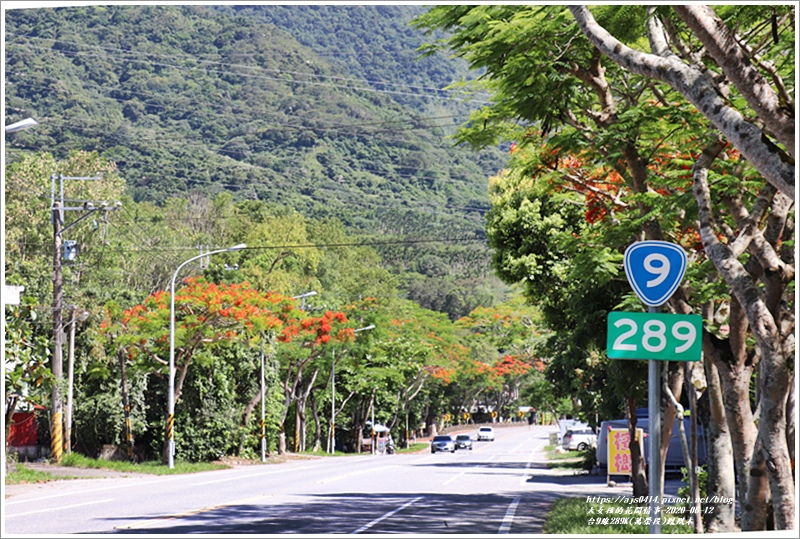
(589, 458)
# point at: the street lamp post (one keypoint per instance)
(70, 377)
(171, 397)
(332, 441)
(303, 298)
(263, 412)
(19, 126)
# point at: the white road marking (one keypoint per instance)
(509, 518)
(527, 475)
(84, 491)
(474, 468)
(239, 477)
(387, 515)
(357, 472)
(52, 509)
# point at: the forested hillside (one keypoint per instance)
(326, 110)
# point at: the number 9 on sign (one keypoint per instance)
(669, 337)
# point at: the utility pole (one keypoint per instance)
(56, 423)
(57, 210)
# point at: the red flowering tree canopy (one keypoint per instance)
(207, 313)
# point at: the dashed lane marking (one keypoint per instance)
(387, 515)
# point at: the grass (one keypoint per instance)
(22, 475)
(551, 453)
(155, 468)
(413, 448)
(569, 460)
(573, 516)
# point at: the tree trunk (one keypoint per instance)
(754, 508)
(639, 474)
(675, 379)
(691, 394)
(721, 481)
(775, 374)
(126, 404)
(317, 445)
(299, 426)
(248, 410)
(281, 440)
(11, 406)
(774, 382)
(791, 417)
(300, 404)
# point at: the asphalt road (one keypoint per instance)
(499, 487)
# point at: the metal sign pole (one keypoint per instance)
(654, 270)
(654, 426)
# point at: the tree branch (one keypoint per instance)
(695, 86)
(724, 49)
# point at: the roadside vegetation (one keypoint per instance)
(691, 143)
(22, 474)
(579, 516)
(573, 460)
(640, 153)
(154, 468)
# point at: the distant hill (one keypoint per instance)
(322, 108)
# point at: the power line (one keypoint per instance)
(279, 79)
(385, 175)
(213, 105)
(198, 58)
(369, 243)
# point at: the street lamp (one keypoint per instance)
(71, 375)
(22, 124)
(332, 441)
(171, 403)
(303, 297)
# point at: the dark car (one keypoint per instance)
(463, 441)
(443, 442)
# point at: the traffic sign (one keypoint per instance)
(654, 270)
(656, 336)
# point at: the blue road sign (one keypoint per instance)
(654, 270)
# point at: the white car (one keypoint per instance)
(486, 433)
(579, 439)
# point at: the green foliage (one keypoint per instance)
(27, 351)
(80, 461)
(684, 492)
(99, 414)
(208, 421)
(571, 516)
(247, 100)
(22, 475)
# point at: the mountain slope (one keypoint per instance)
(193, 98)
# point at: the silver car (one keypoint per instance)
(443, 442)
(463, 441)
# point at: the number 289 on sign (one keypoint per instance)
(668, 337)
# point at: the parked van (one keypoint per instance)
(674, 461)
